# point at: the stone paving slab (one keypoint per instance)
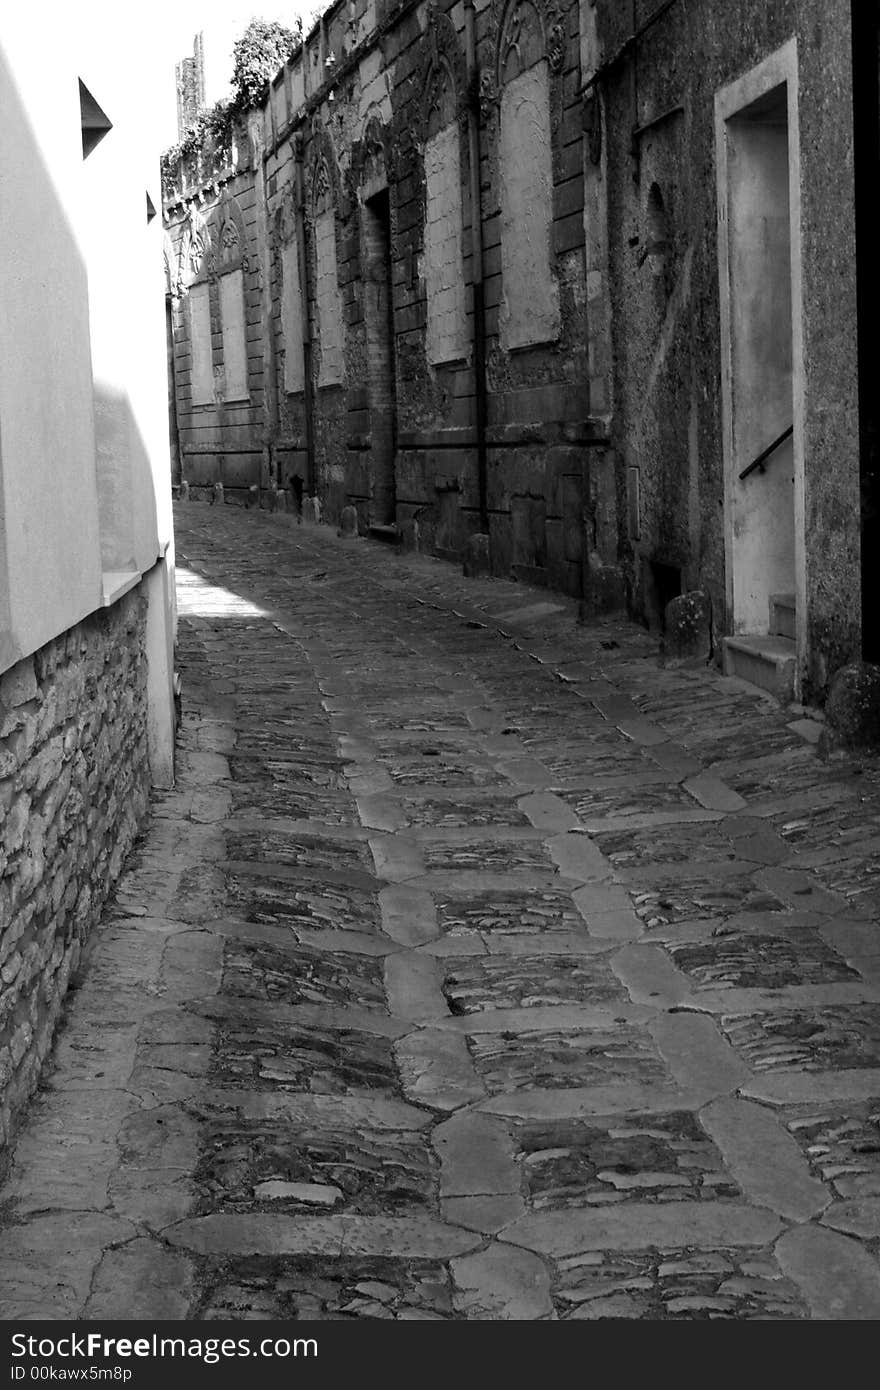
(476, 967)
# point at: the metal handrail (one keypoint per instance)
(762, 458)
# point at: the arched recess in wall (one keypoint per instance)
(196, 251)
(529, 56)
(231, 267)
(444, 153)
(371, 158)
(324, 199)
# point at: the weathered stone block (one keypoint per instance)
(19, 685)
(82, 742)
(688, 629)
(853, 708)
(348, 522)
(477, 558)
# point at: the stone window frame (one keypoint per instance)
(210, 247)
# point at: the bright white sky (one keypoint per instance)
(221, 22)
(144, 41)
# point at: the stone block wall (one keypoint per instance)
(74, 793)
(655, 166)
(362, 161)
(214, 260)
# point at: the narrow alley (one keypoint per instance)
(476, 967)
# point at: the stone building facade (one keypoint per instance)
(726, 154)
(425, 366)
(86, 553)
(555, 274)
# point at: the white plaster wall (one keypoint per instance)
(126, 283)
(232, 322)
(441, 268)
(292, 319)
(201, 362)
(328, 302)
(49, 551)
(530, 295)
(84, 460)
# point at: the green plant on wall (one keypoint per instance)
(262, 49)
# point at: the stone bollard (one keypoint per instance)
(280, 500)
(183, 493)
(852, 710)
(253, 497)
(477, 559)
(217, 493)
(688, 634)
(311, 510)
(348, 523)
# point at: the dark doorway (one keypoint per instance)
(379, 320)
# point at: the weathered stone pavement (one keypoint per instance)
(477, 967)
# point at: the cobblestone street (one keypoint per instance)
(477, 967)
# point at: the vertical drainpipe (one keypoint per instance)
(635, 148)
(473, 80)
(297, 145)
(866, 158)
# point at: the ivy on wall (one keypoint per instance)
(263, 48)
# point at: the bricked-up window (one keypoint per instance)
(201, 357)
(292, 319)
(529, 311)
(232, 320)
(327, 299)
(444, 282)
(328, 304)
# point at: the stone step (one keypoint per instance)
(768, 662)
(783, 616)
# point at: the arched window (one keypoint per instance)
(530, 295)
